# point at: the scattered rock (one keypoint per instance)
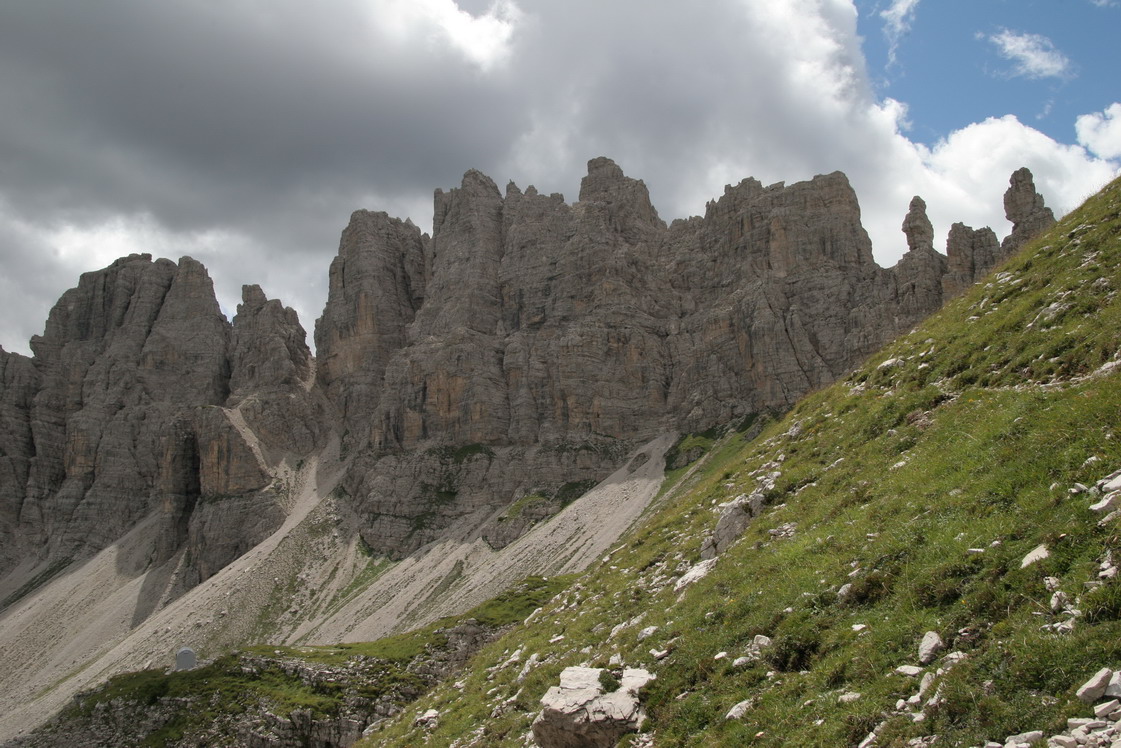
(1024, 738)
(740, 709)
(695, 574)
(735, 516)
(1094, 688)
(1038, 553)
(930, 646)
(1107, 504)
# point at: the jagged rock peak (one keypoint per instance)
(1024, 207)
(268, 347)
(628, 199)
(252, 298)
(1021, 201)
(473, 184)
(376, 283)
(917, 227)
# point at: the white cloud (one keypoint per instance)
(1033, 55)
(898, 18)
(1100, 132)
(963, 177)
(483, 39)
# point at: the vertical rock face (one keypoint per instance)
(272, 377)
(970, 255)
(376, 284)
(112, 373)
(547, 329)
(919, 272)
(1024, 207)
(119, 416)
(917, 227)
(19, 381)
(973, 253)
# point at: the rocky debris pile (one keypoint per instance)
(582, 713)
(695, 573)
(1109, 503)
(915, 706)
(754, 651)
(1105, 494)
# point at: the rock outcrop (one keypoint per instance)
(970, 255)
(19, 381)
(920, 271)
(581, 713)
(1024, 207)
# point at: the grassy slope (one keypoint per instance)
(957, 447)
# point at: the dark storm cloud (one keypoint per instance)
(202, 114)
(245, 132)
(270, 121)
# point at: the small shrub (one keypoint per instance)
(945, 584)
(609, 681)
(1103, 604)
(796, 644)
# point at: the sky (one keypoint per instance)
(244, 133)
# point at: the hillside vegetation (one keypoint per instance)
(908, 498)
(904, 500)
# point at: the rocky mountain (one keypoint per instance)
(552, 338)
(467, 386)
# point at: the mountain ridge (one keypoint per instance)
(451, 384)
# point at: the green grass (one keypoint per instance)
(923, 485)
(560, 498)
(463, 453)
(374, 568)
(221, 689)
(520, 505)
(690, 447)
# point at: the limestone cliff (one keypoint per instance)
(479, 378)
(529, 342)
(121, 415)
